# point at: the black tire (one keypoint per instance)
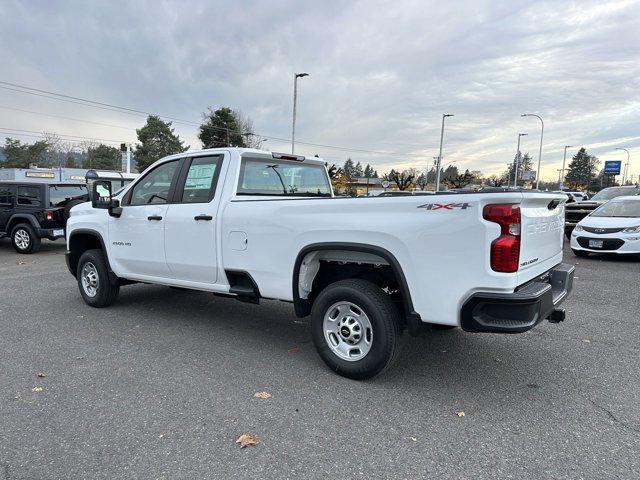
(383, 316)
(106, 291)
(21, 233)
(66, 212)
(580, 253)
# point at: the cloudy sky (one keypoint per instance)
(381, 74)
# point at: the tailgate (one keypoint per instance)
(542, 233)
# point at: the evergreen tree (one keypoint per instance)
(358, 170)
(368, 171)
(349, 169)
(157, 140)
(19, 155)
(582, 169)
(103, 157)
(222, 128)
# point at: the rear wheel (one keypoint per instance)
(95, 285)
(24, 239)
(580, 253)
(356, 328)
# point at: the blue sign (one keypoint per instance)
(612, 167)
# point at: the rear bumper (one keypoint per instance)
(51, 233)
(521, 310)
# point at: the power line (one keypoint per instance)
(66, 118)
(92, 102)
(132, 111)
(10, 131)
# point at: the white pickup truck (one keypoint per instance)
(254, 225)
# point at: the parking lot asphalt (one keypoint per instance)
(161, 384)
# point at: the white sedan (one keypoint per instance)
(612, 228)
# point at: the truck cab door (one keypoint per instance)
(136, 237)
(191, 219)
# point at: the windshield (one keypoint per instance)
(278, 177)
(60, 195)
(619, 208)
(613, 192)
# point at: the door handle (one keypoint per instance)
(203, 217)
(154, 217)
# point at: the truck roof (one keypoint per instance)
(257, 152)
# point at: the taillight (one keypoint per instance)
(48, 215)
(505, 250)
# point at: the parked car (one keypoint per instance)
(575, 212)
(255, 225)
(577, 196)
(613, 228)
(31, 211)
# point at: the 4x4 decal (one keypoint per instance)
(445, 206)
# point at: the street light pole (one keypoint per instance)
(540, 153)
(515, 172)
(295, 99)
(445, 115)
(564, 159)
(626, 168)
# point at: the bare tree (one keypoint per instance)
(402, 179)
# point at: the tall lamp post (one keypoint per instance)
(515, 171)
(296, 76)
(626, 168)
(445, 115)
(564, 159)
(540, 153)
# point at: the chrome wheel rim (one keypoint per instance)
(90, 280)
(347, 331)
(22, 239)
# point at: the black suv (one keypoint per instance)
(30, 211)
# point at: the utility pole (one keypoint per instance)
(515, 172)
(295, 100)
(626, 168)
(540, 153)
(439, 161)
(564, 159)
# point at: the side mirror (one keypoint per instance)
(101, 195)
(101, 198)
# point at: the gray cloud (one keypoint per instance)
(382, 73)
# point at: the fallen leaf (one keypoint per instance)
(21, 263)
(262, 395)
(413, 439)
(36, 389)
(293, 350)
(41, 375)
(586, 340)
(460, 413)
(233, 419)
(246, 440)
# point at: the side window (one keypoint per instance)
(154, 187)
(29, 196)
(199, 186)
(6, 195)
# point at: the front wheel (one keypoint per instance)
(96, 287)
(356, 328)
